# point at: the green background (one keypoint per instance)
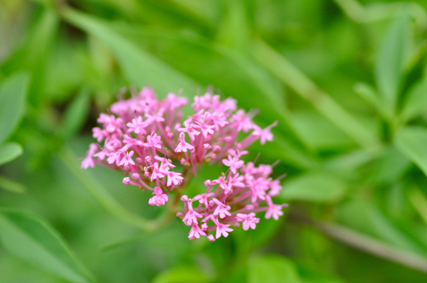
(345, 79)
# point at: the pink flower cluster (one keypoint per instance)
(146, 141)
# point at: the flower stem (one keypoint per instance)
(69, 159)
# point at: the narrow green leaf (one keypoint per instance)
(391, 59)
(234, 30)
(412, 143)
(100, 194)
(12, 103)
(319, 132)
(9, 151)
(272, 269)
(76, 114)
(33, 239)
(11, 186)
(139, 67)
(367, 93)
(416, 102)
(389, 167)
(314, 187)
(181, 275)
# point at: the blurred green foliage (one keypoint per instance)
(346, 80)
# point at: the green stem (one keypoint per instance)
(321, 101)
(373, 246)
(364, 243)
(69, 159)
(419, 201)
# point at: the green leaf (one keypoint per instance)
(313, 273)
(139, 67)
(319, 132)
(9, 151)
(12, 103)
(31, 56)
(11, 186)
(314, 187)
(412, 143)
(391, 59)
(416, 101)
(33, 239)
(272, 269)
(182, 274)
(389, 167)
(367, 93)
(76, 114)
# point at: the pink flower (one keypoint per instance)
(190, 129)
(175, 101)
(183, 146)
(99, 134)
(127, 159)
(137, 126)
(222, 229)
(249, 220)
(157, 117)
(159, 199)
(204, 198)
(191, 217)
(243, 121)
(174, 178)
(195, 232)
(222, 183)
(205, 128)
(264, 134)
(153, 140)
(214, 130)
(273, 209)
(158, 172)
(221, 209)
(234, 163)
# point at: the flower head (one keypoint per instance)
(146, 139)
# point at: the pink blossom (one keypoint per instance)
(99, 134)
(159, 199)
(153, 140)
(264, 134)
(195, 232)
(249, 220)
(222, 210)
(214, 130)
(190, 129)
(137, 126)
(273, 209)
(234, 163)
(222, 229)
(156, 117)
(191, 216)
(174, 178)
(127, 159)
(183, 146)
(158, 172)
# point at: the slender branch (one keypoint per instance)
(365, 243)
(372, 246)
(69, 159)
